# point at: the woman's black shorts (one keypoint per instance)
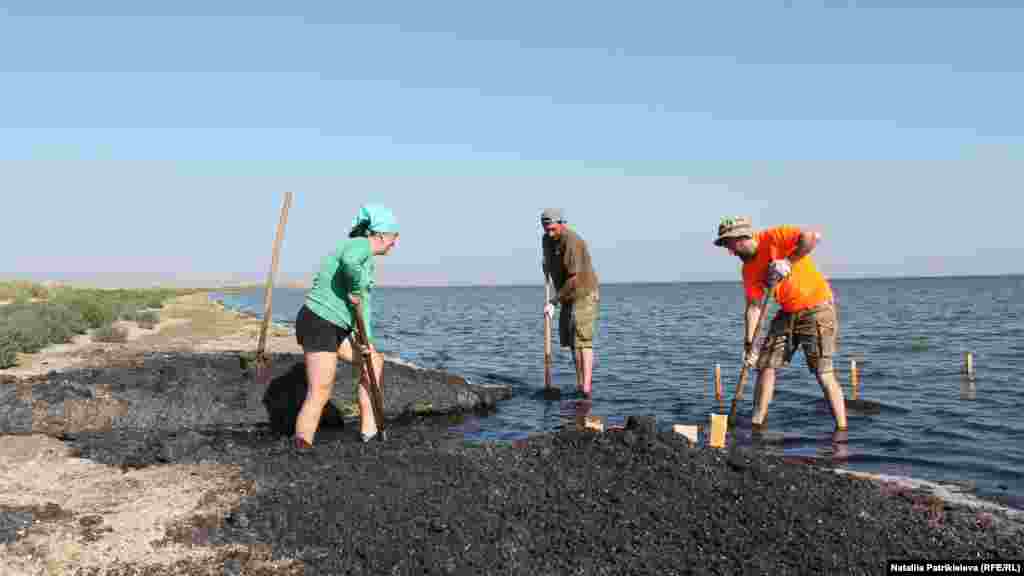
(315, 334)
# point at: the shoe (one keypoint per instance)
(367, 437)
(301, 444)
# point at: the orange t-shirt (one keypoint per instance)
(803, 288)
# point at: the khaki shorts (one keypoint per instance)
(815, 329)
(578, 321)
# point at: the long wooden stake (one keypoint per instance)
(854, 380)
(262, 363)
(718, 382)
(376, 394)
(743, 371)
(547, 337)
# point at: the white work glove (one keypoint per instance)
(549, 310)
(778, 270)
(750, 356)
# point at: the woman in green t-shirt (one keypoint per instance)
(346, 278)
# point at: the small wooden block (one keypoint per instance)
(719, 422)
(593, 423)
(690, 431)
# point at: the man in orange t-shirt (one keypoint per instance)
(779, 258)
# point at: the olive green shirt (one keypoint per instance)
(565, 257)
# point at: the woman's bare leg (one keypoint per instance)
(320, 371)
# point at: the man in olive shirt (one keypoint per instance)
(567, 263)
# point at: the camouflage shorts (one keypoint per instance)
(578, 321)
(815, 329)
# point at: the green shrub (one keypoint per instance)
(25, 328)
(110, 333)
(94, 307)
(31, 326)
(147, 319)
(22, 290)
(63, 323)
(8, 351)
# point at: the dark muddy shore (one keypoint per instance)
(632, 501)
(175, 392)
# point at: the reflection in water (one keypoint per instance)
(830, 449)
(576, 411)
(968, 389)
(839, 449)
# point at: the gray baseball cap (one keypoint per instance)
(552, 215)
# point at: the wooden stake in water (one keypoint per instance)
(719, 423)
(969, 365)
(854, 380)
(718, 382)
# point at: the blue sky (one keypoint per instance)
(142, 141)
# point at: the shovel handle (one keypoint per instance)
(547, 336)
(376, 394)
(746, 369)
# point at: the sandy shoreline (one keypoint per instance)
(161, 499)
(133, 509)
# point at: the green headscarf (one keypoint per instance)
(374, 218)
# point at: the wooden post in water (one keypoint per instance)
(719, 423)
(718, 382)
(854, 380)
(968, 368)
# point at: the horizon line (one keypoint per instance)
(296, 285)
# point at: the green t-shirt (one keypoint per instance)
(349, 269)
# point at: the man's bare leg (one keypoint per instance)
(587, 362)
(577, 363)
(763, 392)
(834, 395)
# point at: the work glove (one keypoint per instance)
(778, 270)
(549, 310)
(750, 355)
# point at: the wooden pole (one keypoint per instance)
(719, 423)
(376, 394)
(854, 380)
(743, 371)
(547, 336)
(718, 382)
(969, 365)
(262, 364)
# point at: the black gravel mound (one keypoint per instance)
(632, 501)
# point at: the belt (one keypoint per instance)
(813, 309)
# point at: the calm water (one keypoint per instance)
(658, 344)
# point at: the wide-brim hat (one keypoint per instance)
(734, 227)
